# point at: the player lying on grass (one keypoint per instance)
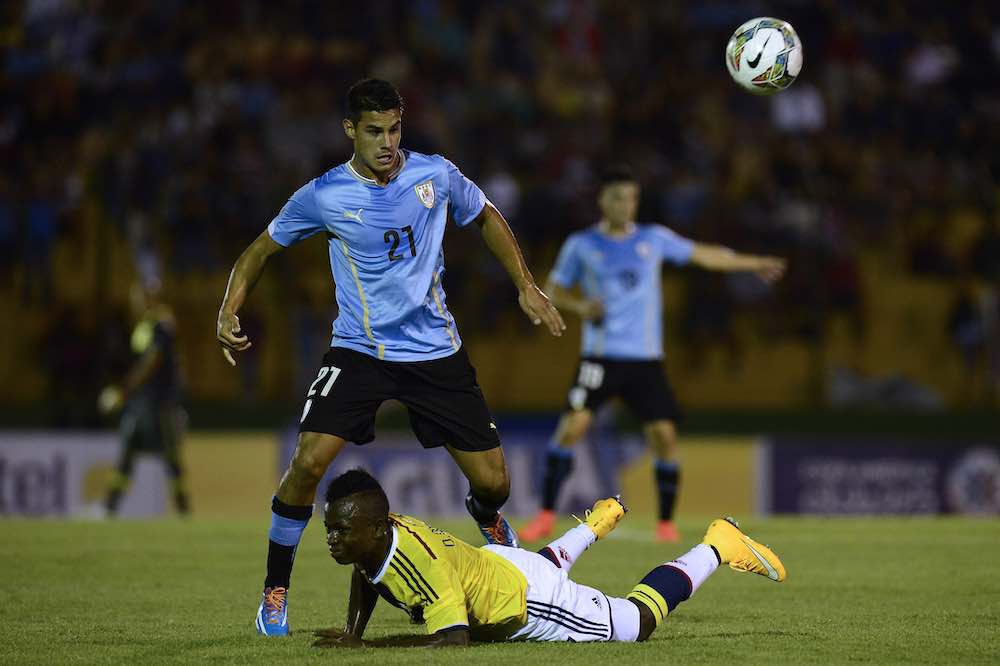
(496, 593)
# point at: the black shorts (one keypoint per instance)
(642, 386)
(445, 403)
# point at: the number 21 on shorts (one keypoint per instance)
(330, 374)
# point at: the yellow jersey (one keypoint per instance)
(445, 582)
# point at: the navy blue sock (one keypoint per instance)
(668, 477)
(287, 524)
(558, 465)
(662, 590)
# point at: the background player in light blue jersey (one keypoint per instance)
(384, 214)
(616, 264)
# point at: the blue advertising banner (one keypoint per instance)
(877, 476)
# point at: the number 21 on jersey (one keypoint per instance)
(330, 374)
(392, 236)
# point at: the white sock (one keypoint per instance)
(571, 545)
(625, 620)
(698, 563)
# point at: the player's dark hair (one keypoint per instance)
(372, 95)
(357, 481)
(617, 173)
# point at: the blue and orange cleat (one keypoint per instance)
(272, 614)
(499, 532)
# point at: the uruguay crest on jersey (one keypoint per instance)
(425, 192)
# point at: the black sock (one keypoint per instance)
(178, 487)
(279, 564)
(668, 476)
(181, 502)
(120, 484)
(113, 500)
(558, 465)
(287, 524)
(484, 513)
(291, 511)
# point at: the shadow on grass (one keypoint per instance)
(769, 633)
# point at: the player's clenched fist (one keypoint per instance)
(227, 331)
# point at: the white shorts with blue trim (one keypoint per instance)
(562, 610)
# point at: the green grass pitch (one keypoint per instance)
(881, 591)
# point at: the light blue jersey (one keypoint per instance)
(385, 252)
(624, 275)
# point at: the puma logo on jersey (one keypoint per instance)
(354, 216)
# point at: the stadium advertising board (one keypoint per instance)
(65, 474)
(428, 483)
(863, 477)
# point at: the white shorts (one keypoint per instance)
(562, 610)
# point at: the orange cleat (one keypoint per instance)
(666, 532)
(540, 527)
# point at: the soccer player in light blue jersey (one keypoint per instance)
(384, 214)
(617, 264)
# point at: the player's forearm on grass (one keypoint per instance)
(362, 603)
(500, 239)
(247, 270)
(453, 638)
(719, 258)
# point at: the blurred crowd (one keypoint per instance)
(185, 125)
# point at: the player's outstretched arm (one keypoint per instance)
(361, 604)
(359, 610)
(500, 239)
(242, 279)
(719, 258)
(566, 300)
(113, 397)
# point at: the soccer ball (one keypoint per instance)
(764, 55)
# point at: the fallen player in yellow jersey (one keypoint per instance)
(497, 593)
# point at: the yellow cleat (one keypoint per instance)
(741, 552)
(605, 515)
